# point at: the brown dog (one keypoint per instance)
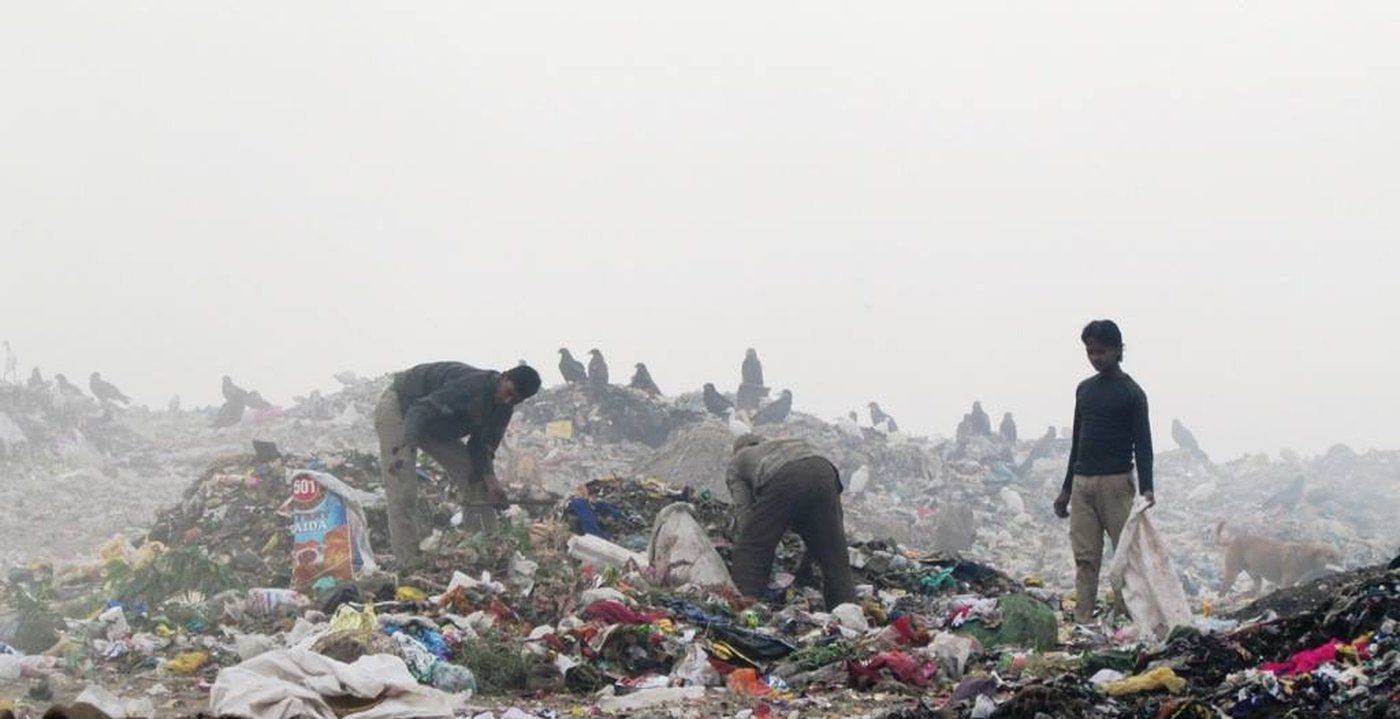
(1282, 563)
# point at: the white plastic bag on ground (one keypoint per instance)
(680, 552)
(297, 683)
(599, 552)
(694, 669)
(1011, 499)
(1142, 574)
(114, 706)
(860, 479)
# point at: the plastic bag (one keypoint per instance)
(1142, 574)
(680, 552)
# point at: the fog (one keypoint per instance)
(915, 203)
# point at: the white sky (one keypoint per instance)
(919, 203)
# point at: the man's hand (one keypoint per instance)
(1151, 500)
(1062, 505)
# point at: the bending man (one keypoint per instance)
(779, 484)
(433, 407)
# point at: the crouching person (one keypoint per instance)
(782, 484)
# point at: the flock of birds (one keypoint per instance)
(237, 400)
(751, 389)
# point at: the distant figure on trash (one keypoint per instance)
(783, 484)
(432, 407)
(1110, 429)
(597, 368)
(1008, 428)
(880, 420)
(105, 391)
(37, 381)
(572, 369)
(641, 380)
(979, 422)
(11, 373)
(751, 389)
(716, 403)
(751, 372)
(1186, 440)
(68, 389)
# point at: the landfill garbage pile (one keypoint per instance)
(549, 617)
(963, 569)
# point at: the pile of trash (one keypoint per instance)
(606, 585)
(581, 605)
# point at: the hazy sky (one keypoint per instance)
(919, 203)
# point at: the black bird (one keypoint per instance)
(256, 401)
(716, 403)
(641, 379)
(775, 411)
(981, 423)
(1008, 428)
(229, 414)
(752, 370)
(105, 391)
(854, 417)
(37, 381)
(233, 392)
(597, 368)
(67, 389)
(878, 418)
(1185, 440)
(572, 369)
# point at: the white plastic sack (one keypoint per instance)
(680, 551)
(860, 479)
(1142, 574)
(1011, 499)
(113, 706)
(598, 552)
(296, 683)
(694, 669)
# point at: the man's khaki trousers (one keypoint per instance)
(408, 523)
(1098, 504)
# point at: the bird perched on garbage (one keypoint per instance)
(67, 389)
(981, 423)
(232, 391)
(597, 368)
(775, 411)
(11, 364)
(572, 369)
(230, 413)
(255, 400)
(1008, 428)
(752, 369)
(37, 381)
(1288, 497)
(105, 391)
(717, 404)
(1185, 440)
(641, 379)
(879, 419)
(173, 406)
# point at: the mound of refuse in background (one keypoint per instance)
(964, 572)
(570, 606)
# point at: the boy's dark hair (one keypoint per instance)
(525, 379)
(1105, 332)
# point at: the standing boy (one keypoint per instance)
(1110, 430)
